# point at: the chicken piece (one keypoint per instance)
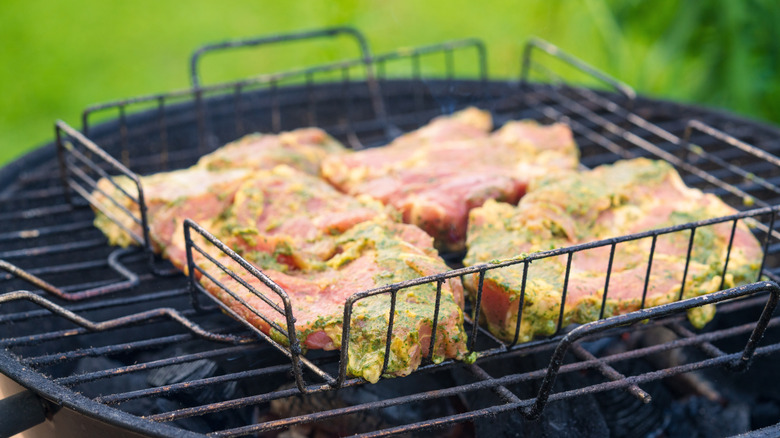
(437, 174)
(217, 173)
(369, 255)
(321, 246)
(169, 197)
(612, 200)
(303, 149)
(289, 218)
(351, 169)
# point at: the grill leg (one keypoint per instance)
(20, 412)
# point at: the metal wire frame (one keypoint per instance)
(239, 90)
(360, 39)
(428, 396)
(532, 408)
(738, 364)
(624, 89)
(131, 279)
(694, 150)
(124, 321)
(75, 154)
(550, 49)
(486, 382)
(637, 123)
(414, 55)
(293, 348)
(357, 36)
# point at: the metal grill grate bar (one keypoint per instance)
(193, 384)
(55, 249)
(47, 211)
(51, 359)
(102, 304)
(103, 374)
(620, 384)
(46, 232)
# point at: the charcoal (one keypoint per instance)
(369, 420)
(577, 418)
(765, 412)
(407, 413)
(116, 384)
(194, 424)
(189, 371)
(700, 417)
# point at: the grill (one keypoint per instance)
(119, 336)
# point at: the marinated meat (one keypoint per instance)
(349, 170)
(303, 149)
(289, 218)
(612, 200)
(169, 197)
(214, 179)
(369, 255)
(435, 175)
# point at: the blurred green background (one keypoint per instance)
(58, 57)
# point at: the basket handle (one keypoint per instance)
(272, 39)
(553, 50)
(22, 411)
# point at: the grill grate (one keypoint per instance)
(130, 307)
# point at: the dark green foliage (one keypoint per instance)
(58, 57)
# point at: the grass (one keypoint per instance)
(58, 57)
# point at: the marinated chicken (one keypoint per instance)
(291, 217)
(434, 176)
(169, 198)
(303, 149)
(611, 200)
(369, 255)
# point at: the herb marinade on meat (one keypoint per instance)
(611, 200)
(370, 255)
(215, 177)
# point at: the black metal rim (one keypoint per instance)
(65, 398)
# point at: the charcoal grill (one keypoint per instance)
(92, 331)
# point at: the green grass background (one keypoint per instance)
(58, 57)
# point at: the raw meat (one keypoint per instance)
(609, 201)
(214, 178)
(369, 255)
(434, 176)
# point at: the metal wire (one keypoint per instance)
(134, 319)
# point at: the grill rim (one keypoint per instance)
(63, 397)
